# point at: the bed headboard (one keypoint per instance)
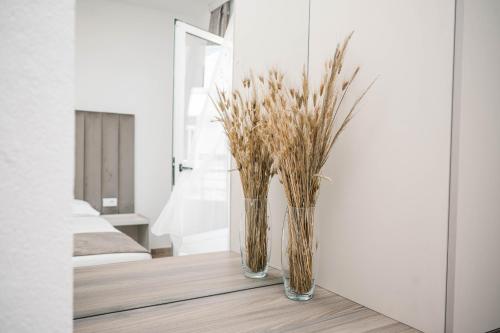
(104, 161)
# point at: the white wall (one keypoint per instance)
(267, 34)
(124, 64)
(36, 165)
(384, 217)
(474, 287)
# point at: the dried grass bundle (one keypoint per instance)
(300, 129)
(241, 116)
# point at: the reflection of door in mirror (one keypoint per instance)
(200, 163)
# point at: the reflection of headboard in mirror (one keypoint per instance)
(104, 161)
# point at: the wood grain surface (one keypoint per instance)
(122, 286)
(263, 309)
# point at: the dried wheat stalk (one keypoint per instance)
(300, 129)
(241, 116)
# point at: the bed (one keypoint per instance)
(97, 242)
(104, 183)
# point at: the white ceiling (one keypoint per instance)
(185, 7)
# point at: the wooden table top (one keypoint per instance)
(123, 286)
(264, 309)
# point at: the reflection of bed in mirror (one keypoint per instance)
(104, 184)
(97, 242)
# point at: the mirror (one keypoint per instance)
(147, 148)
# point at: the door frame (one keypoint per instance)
(181, 29)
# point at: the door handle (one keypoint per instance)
(184, 168)
(173, 171)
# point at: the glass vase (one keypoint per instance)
(255, 238)
(299, 253)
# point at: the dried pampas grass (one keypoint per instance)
(302, 125)
(241, 116)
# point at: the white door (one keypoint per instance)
(203, 61)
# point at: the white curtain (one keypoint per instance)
(219, 19)
(196, 215)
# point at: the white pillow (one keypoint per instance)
(83, 208)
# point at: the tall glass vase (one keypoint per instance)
(299, 253)
(255, 238)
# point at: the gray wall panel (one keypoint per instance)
(126, 164)
(110, 156)
(104, 160)
(79, 154)
(93, 160)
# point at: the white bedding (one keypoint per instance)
(98, 224)
(101, 259)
